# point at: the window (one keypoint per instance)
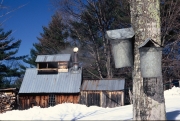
(52, 100)
(42, 65)
(52, 65)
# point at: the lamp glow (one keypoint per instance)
(75, 49)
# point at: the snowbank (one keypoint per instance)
(69, 111)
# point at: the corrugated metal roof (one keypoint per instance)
(53, 58)
(124, 33)
(64, 82)
(108, 85)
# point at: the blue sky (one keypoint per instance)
(26, 22)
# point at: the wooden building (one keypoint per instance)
(52, 82)
(103, 93)
(8, 99)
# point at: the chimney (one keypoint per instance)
(75, 63)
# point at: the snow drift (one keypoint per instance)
(69, 111)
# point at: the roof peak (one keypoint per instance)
(53, 58)
(149, 43)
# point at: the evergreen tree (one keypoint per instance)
(52, 40)
(8, 49)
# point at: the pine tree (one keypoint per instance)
(8, 49)
(52, 40)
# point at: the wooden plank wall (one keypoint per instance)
(30, 100)
(102, 98)
(67, 98)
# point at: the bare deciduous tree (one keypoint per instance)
(89, 20)
(170, 28)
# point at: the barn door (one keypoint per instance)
(111, 99)
(93, 98)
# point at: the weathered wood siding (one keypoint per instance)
(102, 98)
(29, 100)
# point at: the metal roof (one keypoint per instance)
(53, 58)
(149, 40)
(108, 85)
(64, 82)
(125, 33)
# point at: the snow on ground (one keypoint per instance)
(69, 111)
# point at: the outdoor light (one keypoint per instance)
(75, 63)
(121, 41)
(150, 59)
(75, 49)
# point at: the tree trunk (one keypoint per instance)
(108, 61)
(148, 94)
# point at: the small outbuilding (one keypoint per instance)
(103, 93)
(52, 82)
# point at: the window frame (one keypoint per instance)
(52, 100)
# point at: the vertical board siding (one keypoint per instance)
(89, 98)
(28, 101)
(83, 99)
(102, 98)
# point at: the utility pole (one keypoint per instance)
(148, 93)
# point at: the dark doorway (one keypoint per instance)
(175, 83)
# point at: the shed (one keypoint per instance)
(103, 93)
(46, 85)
